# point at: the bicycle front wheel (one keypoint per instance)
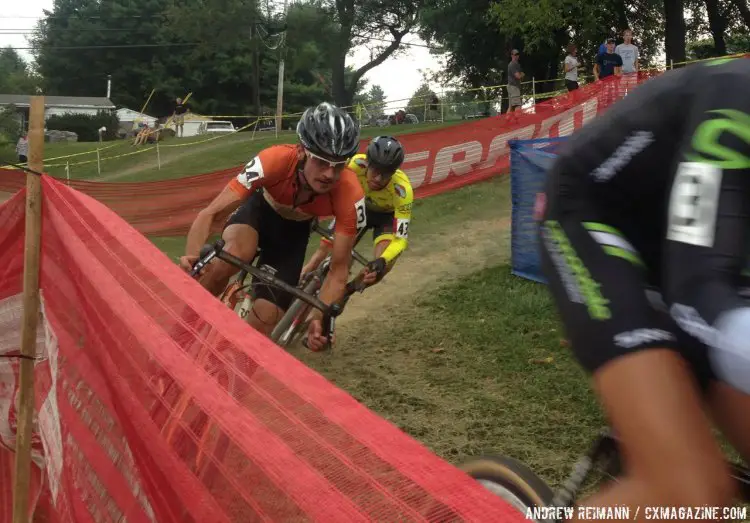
(290, 326)
(510, 479)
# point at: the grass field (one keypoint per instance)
(463, 369)
(121, 161)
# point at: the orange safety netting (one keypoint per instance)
(155, 402)
(437, 160)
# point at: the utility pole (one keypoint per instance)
(280, 89)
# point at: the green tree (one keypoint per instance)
(228, 34)
(379, 24)
(479, 35)
(706, 47)
(88, 25)
(10, 127)
(15, 75)
(375, 101)
(419, 100)
(225, 52)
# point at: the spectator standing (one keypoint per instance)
(22, 149)
(571, 66)
(609, 63)
(602, 47)
(628, 52)
(515, 74)
(179, 117)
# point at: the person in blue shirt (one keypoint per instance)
(608, 63)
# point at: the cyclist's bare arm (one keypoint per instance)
(334, 285)
(219, 209)
(317, 258)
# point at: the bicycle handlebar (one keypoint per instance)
(208, 252)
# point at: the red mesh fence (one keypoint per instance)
(437, 161)
(156, 404)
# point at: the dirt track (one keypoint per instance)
(439, 258)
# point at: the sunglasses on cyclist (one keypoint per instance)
(334, 164)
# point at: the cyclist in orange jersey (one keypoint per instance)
(273, 202)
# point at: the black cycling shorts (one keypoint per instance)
(381, 223)
(598, 282)
(282, 243)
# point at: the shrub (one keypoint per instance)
(86, 126)
(10, 127)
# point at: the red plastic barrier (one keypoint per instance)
(437, 161)
(155, 403)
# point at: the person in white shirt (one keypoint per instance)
(628, 52)
(22, 149)
(571, 68)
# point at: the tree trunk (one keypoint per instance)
(718, 24)
(341, 95)
(255, 88)
(674, 31)
(256, 82)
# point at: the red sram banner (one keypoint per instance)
(437, 160)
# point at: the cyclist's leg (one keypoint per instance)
(283, 253)
(729, 407)
(669, 453)
(646, 386)
(323, 251)
(241, 239)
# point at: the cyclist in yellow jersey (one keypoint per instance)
(388, 201)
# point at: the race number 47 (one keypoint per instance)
(694, 203)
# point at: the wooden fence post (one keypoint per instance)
(30, 318)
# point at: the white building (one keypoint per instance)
(57, 105)
(128, 118)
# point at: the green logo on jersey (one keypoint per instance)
(707, 135)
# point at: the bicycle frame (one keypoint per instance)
(605, 450)
(286, 329)
(208, 253)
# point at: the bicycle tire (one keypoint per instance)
(289, 327)
(511, 480)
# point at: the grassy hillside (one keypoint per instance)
(121, 161)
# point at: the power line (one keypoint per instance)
(124, 46)
(135, 46)
(109, 17)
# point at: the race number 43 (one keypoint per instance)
(694, 203)
(402, 228)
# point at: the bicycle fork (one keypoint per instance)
(604, 449)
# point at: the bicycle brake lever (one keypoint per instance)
(207, 253)
(329, 323)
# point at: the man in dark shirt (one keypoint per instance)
(179, 116)
(608, 63)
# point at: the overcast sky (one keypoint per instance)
(399, 77)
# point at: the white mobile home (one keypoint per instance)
(57, 105)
